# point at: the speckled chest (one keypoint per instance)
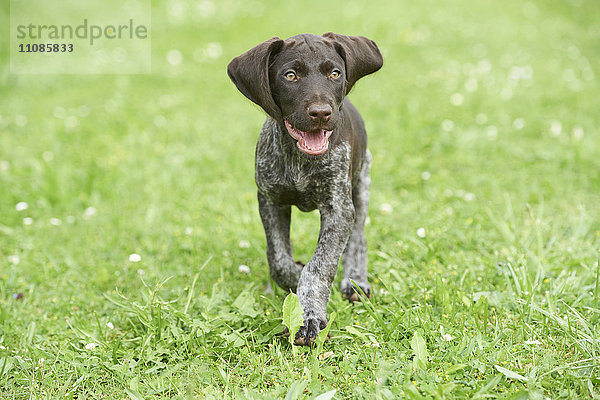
(287, 178)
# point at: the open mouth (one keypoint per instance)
(313, 143)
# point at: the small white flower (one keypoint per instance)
(160, 121)
(14, 259)
(492, 132)
(42, 361)
(533, 342)
(421, 232)
(134, 257)
(189, 231)
(2, 347)
(59, 112)
(20, 120)
(83, 111)
(447, 125)
(244, 269)
(89, 212)
(386, 208)
(244, 244)
(447, 337)
(110, 325)
(469, 197)
(55, 221)
(90, 346)
(515, 73)
(578, 133)
(111, 105)
(471, 84)
(27, 221)
(374, 344)
(506, 94)
(484, 66)
(205, 9)
(174, 57)
(481, 118)
(48, 156)
(21, 206)
(457, 99)
(213, 50)
(426, 175)
(71, 122)
(555, 128)
(519, 124)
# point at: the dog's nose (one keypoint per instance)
(320, 112)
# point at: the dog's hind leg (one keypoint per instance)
(355, 255)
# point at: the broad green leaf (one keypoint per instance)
(527, 395)
(411, 391)
(296, 389)
(419, 348)
(201, 325)
(455, 368)
(466, 301)
(320, 340)
(133, 384)
(323, 334)
(233, 338)
(510, 374)
(327, 395)
(133, 390)
(492, 383)
(6, 366)
(133, 395)
(246, 304)
(292, 315)
(224, 376)
(352, 330)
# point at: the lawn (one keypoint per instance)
(483, 232)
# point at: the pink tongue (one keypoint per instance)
(314, 140)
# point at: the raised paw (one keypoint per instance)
(309, 331)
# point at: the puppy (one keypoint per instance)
(312, 154)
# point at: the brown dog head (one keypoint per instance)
(302, 81)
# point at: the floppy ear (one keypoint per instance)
(361, 55)
(250, 74)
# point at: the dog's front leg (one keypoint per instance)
(317, 276)
(276, 221)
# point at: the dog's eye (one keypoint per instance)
(290, 75)
(335, 74)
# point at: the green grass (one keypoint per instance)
(499, 299)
